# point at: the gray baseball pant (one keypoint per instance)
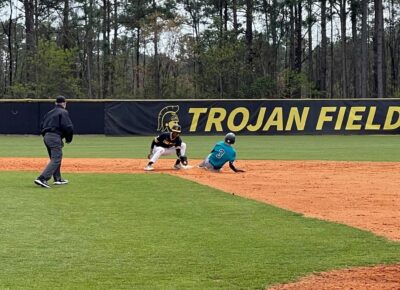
(207, 165)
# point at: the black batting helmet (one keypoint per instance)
(230, 138)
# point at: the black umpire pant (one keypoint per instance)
(54, 145)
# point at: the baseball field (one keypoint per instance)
(310, 212)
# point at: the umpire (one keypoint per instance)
(55, 126)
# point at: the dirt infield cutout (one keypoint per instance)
(364, 195)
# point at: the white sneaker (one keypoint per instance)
(149, 168)
(60, 182)
(42, 183)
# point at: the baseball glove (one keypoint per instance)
(183, 160)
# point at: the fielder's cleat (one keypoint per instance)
(178, 166)
(60, 182)
(42, 183)
(149, 168)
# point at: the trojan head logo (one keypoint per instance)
(167, 118)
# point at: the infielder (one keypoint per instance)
(167, 144)
(221, 153)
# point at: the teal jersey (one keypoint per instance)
(221, 154)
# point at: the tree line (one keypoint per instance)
(148, 49)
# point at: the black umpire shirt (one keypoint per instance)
(58, 121)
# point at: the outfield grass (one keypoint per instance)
(155, 231)
(355, 148)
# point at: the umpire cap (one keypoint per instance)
(60, 99)
(230, 138)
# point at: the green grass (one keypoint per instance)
(355, 148)
(155, 231)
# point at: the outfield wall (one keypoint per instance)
(207, 117)
(23, 117)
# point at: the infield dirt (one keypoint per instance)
(365, 195)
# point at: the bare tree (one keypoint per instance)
(137, 63)
(364, 49)
(393, 42)
(7, 29)
(114, 46)
(298, 44)
(249, 31)
(343, 28)
(235, 19)
(310, 39)
(292, 19)
(379, 53)
(157, 65)
(30, 39)
(331, 76)
(298, 37)
(324, 44)
(89, 35)
(354, 8)
(106, 29)
(65, 28)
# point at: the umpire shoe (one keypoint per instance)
(42, 183)
(60, 182)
